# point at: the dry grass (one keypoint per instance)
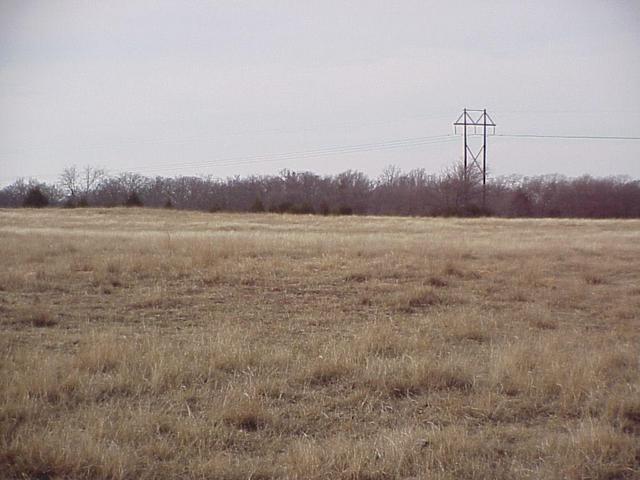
(162, 344)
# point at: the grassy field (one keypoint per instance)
(162, 344)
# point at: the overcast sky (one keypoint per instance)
(224, 87)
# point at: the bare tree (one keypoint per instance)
(390, 176)
(70, 182)
(79, 185)
(91, 178)
(460, 191)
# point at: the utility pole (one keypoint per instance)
(474, 120)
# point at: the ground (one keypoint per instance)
(141, 343)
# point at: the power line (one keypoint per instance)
(295, 155)
(319, 152)
(570, 137)
(328, 148)
(208, 139)
(568, 112)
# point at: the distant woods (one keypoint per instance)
(394, 192)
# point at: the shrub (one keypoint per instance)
(521, 204)
(304, 209)
(285, 207)
(42, 319)
(473, 210)
(257, 206)
(35, 199)
(324, 209)
(345, 210)
(133, 200)
(289, 207)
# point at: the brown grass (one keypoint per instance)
(162, 344)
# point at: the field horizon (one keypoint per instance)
(151, 343)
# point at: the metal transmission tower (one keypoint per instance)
(471, 121)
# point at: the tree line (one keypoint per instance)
(394, 192)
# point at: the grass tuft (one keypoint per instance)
(42, 319)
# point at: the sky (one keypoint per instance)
(227, 88)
